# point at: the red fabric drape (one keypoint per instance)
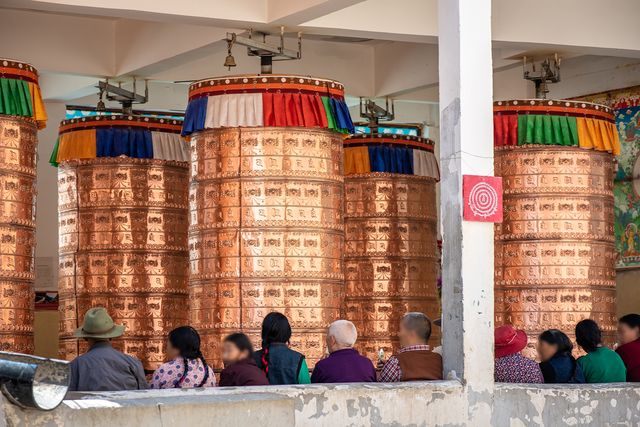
(293, 109)
(505, 129)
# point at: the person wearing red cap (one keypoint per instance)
(510, 365)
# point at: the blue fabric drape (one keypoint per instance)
(114, 142)
(391, 159)
(195, 115)
(342, 116)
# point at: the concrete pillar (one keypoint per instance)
(466, 148)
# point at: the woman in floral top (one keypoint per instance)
(188, 368)
(510, 365)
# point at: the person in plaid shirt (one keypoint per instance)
(415, 360)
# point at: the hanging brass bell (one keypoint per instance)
(230, 61)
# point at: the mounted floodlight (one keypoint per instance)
(549, 72)
(267, 53)
(32, 381)
(375, 114)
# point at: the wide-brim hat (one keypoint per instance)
(509, 340)
(99, 325)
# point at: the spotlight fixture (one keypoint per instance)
(549, 73)
(267, 53)
(375, 114)
(32, 381)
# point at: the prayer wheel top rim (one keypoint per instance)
(380, 138)
(168, 125)
(551, 106)
(18, 70)
(258, 83)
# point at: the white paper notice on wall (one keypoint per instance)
(45, 276)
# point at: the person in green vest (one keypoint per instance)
(600, 364)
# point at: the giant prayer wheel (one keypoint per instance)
(391, 261)
(123, 195)
(22, 113)
(266, 227)
(554, 251)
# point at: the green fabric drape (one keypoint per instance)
(331, 120)
(53, 160)
(547, 129)
(15, 98)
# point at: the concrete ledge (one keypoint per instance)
(567, 405)
(166, 409)
(438, 403)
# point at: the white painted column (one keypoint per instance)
(466, 148)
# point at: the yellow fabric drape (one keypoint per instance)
(80, 144)
(598, 134)
(39, 112)
(356, 160)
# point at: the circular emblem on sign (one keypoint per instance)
(483, 200)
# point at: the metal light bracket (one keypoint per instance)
(125, 97)
(549, 72)
(267, 53)
(375, 114)
(32, 381)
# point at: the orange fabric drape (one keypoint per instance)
(80, 144)
(598, 135)
(356, 160)
(39, 112)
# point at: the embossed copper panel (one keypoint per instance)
(123, 245)
(18, 141)
(554, 254)
(266, 233)
(390, 256)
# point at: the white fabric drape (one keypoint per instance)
(239, 109)
(170, 146)
(425, 164)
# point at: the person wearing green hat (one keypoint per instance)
(104, 368)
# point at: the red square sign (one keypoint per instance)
(482, 198)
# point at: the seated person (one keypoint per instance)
(600, 364)
(187, 367)
(281, 364)
(510, 365)
(344, 364)
(414, 361)
(629, 350)
(557, 363)
(104, 368)
(239, 367)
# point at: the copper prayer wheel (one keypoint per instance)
(123, 245)
(266, 227)
(391, 261)
(554, 251)
(21, 114)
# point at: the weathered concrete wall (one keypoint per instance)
(596, 405)
(442, 403)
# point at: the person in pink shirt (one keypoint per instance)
(187, 367)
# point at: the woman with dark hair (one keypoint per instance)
(557, 363)
(600, 364)
(629, 350)
(188, 368)
(239, 367)
(281, 364)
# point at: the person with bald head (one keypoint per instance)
(344, 364)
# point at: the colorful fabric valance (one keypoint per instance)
(562, 123)
(256, 101)
(20, 92)
(114, 136)
(390, 154)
